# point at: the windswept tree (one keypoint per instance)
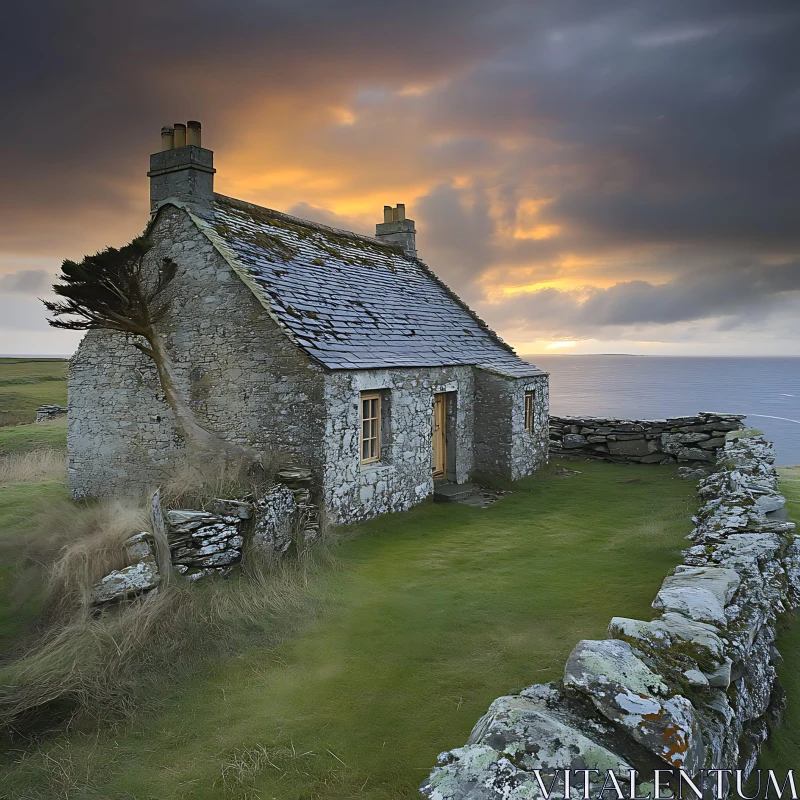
(115, 290)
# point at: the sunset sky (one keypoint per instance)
(590, 175)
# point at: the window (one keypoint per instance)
(370, 428)
(530, 406)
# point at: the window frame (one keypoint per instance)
(375, 427)
(530, 410)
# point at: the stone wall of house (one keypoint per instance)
(693, 688)
(684, 439)
(402, 477)
(243, 376)
(502, 445)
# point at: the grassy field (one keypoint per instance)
(27, 383)
(428, 616)
(781, 751)
(421, 619)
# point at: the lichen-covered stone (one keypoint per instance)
(624, 689)
(123, 584)
(699, 639)
(528, 733)
(477, 772)
(275, 518)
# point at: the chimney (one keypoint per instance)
(396, 228)
(183, 170)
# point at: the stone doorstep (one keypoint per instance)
(453, 492)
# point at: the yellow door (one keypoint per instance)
(439, 428)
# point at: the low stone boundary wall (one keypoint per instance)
(693, 688)
(45, 413)
(684, 439)
(211, 540)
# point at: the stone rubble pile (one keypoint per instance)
(48, 412)
(693, 688)
(684, 439)
(203, 543)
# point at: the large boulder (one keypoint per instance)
(526, 731)
(624, 689)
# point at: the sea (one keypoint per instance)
(655, 387)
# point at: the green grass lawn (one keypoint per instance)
(33, 436)
(27, 383)
(781, 751)
(20, 504)
(428, 616)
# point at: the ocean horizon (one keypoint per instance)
(629, 386)
(766, 389)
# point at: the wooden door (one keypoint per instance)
(439, 432)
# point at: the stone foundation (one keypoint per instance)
(693, 688)
(659, 441)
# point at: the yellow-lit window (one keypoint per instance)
(530, 406)
(370, 428)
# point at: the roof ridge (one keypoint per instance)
(307, 223)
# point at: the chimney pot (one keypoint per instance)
(180, 135)
(396, 229)
(181, 173)
(167, 138)
(193, 133)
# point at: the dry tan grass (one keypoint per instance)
(74, 545)
(193, 484)
(103, 669)
(33, 467)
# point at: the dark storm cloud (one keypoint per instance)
(675, 121)
(90, 84)
(739, 294)
(666, 127)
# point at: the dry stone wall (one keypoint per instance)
(47, 412)
(660, 441)
(693, 688)
(212, 540)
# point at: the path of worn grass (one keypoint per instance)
(782, 749)
(432, 614)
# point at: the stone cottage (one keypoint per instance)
(343, 351)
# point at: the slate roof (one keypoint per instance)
(351, 301)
